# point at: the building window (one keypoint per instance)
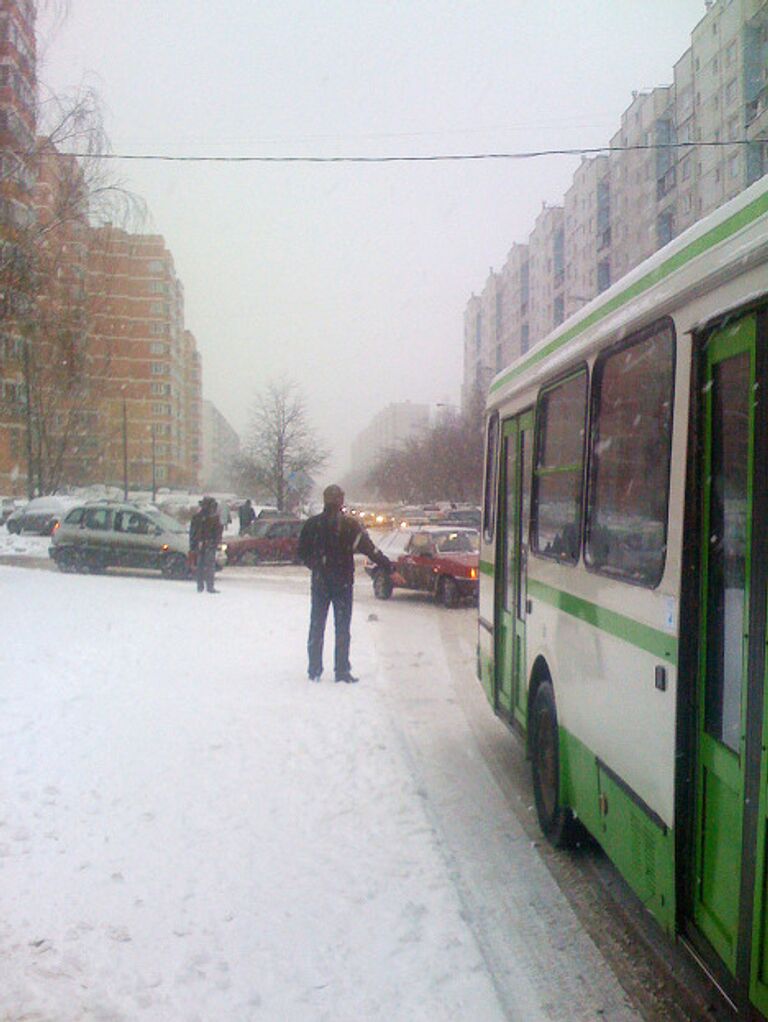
(161, 388)
(665, 227)
(603, 275)
(157, 287)
(558, 310)
(158, 328)
(734, 166)
(525, 342)
(155, 266)
(631, 435)
(158, 348)
(159, 368)
(557, 484)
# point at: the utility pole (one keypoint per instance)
(154, 475)
(125, 450)
(28, 417)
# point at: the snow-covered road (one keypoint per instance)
(190, 830)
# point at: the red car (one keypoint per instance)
(268, 539)
(436, 560)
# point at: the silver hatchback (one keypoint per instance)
(100, 535)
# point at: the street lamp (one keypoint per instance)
(125, 446)
(154, 474)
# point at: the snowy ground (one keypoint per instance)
(27, 546)
(190, 830)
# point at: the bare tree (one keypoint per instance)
(443, 463)
(281, 452)
(46, 310)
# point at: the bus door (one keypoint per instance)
(729, 876)
(512, 563)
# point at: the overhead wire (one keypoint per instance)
(429, 158)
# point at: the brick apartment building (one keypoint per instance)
(151, 387)
(622, 207)
(17, 135)
(95, 361)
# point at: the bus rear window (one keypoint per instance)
(626, 531)
(558, 473)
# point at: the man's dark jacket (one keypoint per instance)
(328, 544)
(205, 530)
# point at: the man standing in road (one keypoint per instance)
(246, 515)
(327, 545)
(205, 531)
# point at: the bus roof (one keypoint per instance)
(723, 243)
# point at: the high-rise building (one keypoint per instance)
(17, 135)
(624, 206)
(220, 448)
(150, 407)
(388, 430)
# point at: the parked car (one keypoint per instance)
(466, 517)
(441, 561)
(7, 506)
(266, 539)
(105, 534)
(40, 516)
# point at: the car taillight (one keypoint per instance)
(473, 572)
(164, 547)
(56, 525)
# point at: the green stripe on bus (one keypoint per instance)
(696, 248)
(642, 636)
(486, 568)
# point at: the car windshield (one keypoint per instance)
(457, 542)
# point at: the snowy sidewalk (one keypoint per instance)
(189, 830)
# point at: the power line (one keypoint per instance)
(434, 158)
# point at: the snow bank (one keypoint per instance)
(191, 830)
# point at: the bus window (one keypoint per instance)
(491, 468)
(626, 527)
(557, 482)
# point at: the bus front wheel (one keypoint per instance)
(555, 820)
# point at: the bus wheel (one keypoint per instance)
(556, 822)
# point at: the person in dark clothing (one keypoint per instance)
(247, 515)
(327, 546)
(205, 532)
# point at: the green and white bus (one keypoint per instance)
(624, 583)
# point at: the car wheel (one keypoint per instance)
(448, 593)
(175, 567)
(382, 585)
(12, 527)
(556, 821)
(67, 561)
(250, 558)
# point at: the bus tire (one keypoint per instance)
(556, 821)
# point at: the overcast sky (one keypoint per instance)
(352, 279)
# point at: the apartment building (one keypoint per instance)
(17, 134)
(149, 411)
(622, 207)
(220, 448)
(388, 430)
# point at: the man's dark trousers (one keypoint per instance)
(206, 568)
(325, 592)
